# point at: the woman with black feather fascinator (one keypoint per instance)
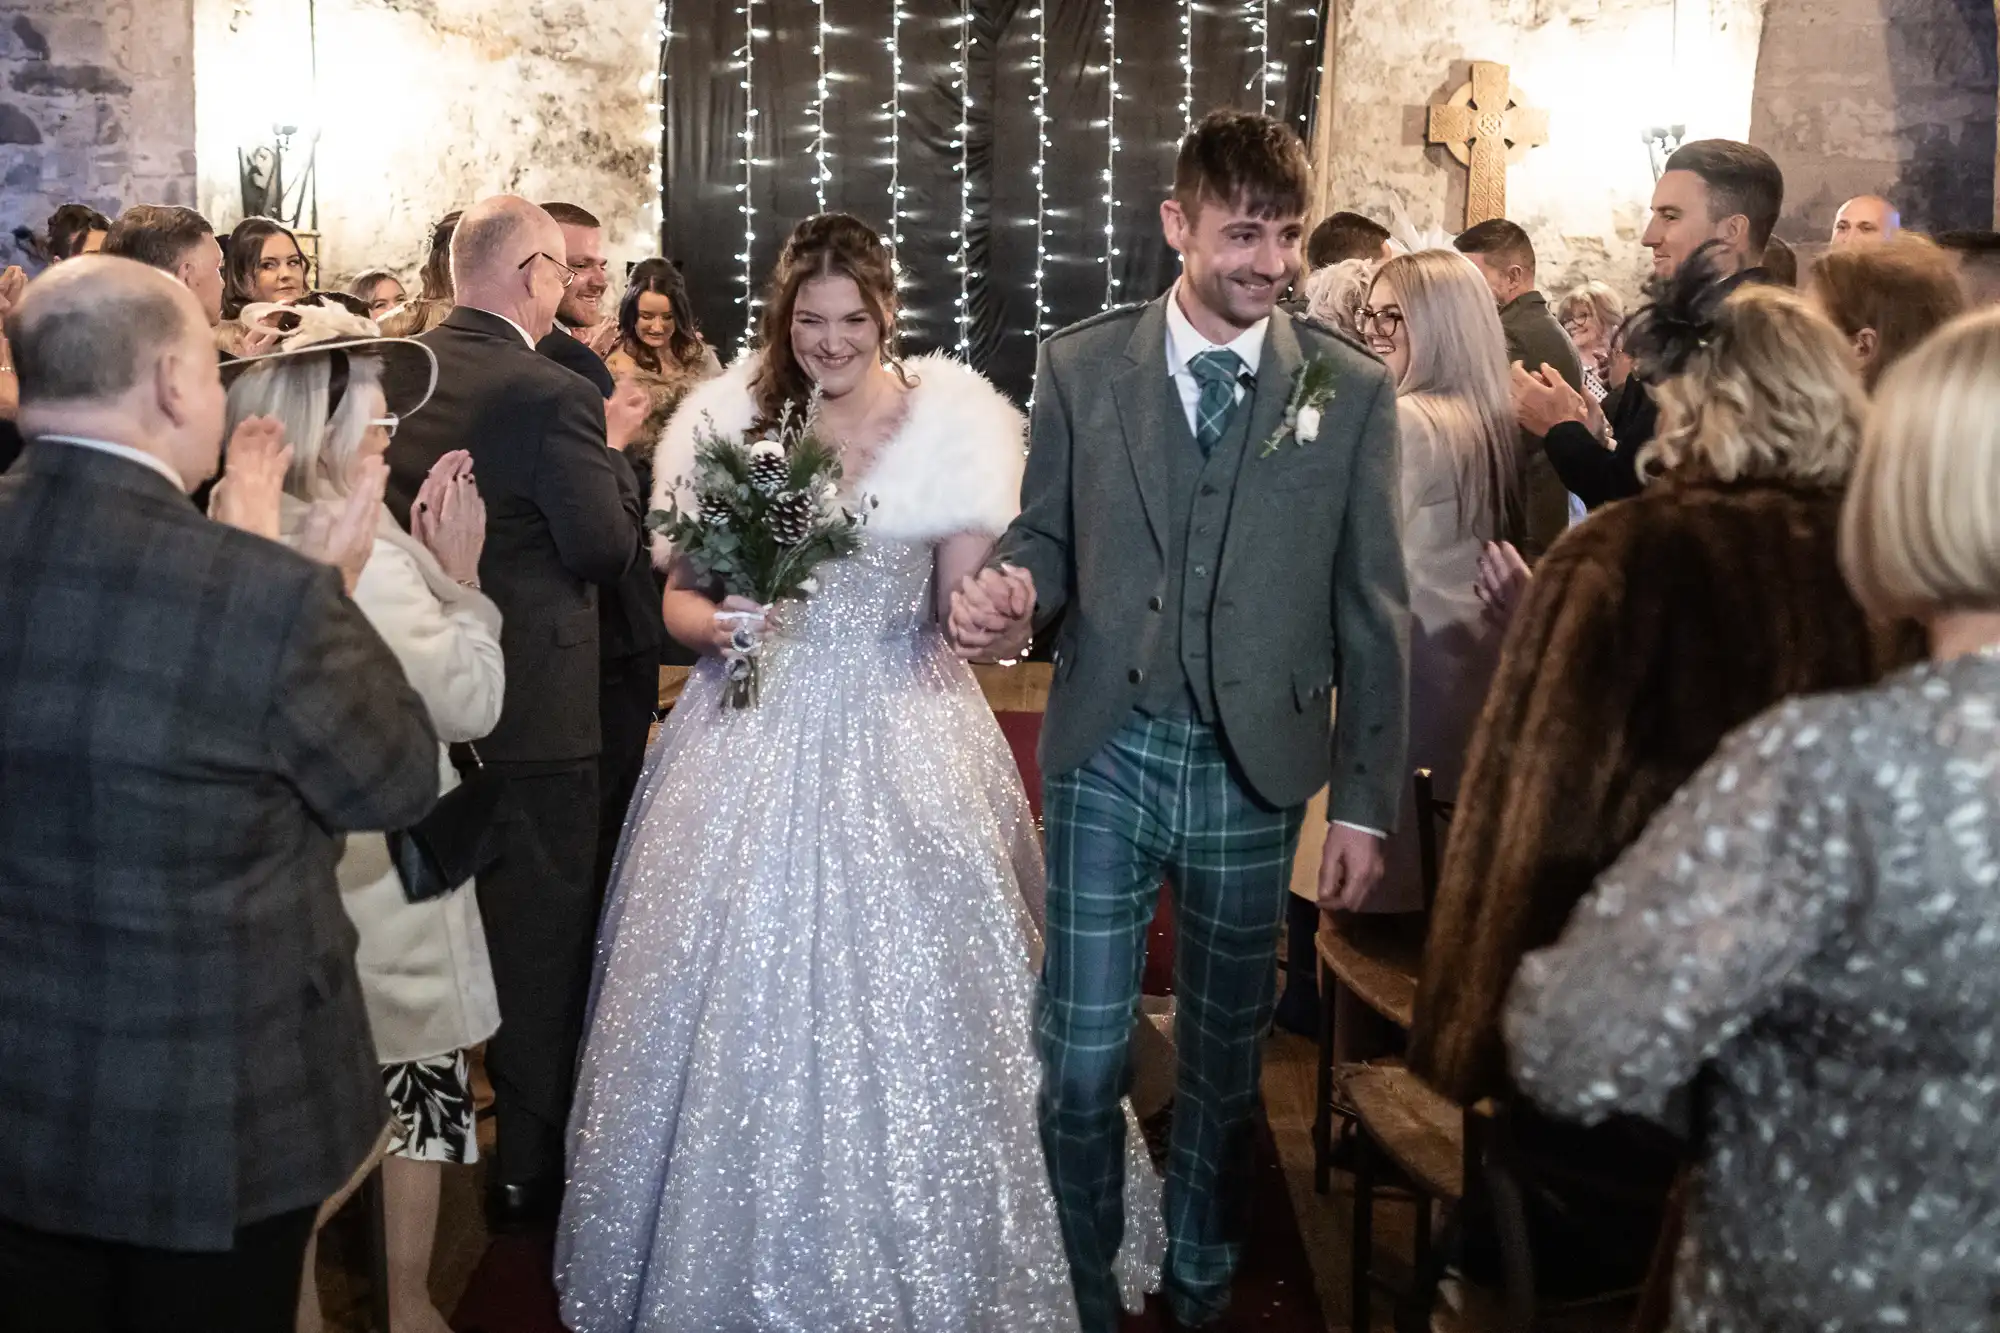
(1648, 633)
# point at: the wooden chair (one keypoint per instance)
(1459, 1159)
(1402, 1134)
(1376, 959)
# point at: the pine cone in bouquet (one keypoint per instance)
(715, 510)
(770, 469)
(791, 515)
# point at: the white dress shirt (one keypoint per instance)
(124, 451)
(1184, 343)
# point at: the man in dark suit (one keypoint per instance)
(557, 529)
(631, 632)
(194, 715)
(1505, 257)
(1714, 192)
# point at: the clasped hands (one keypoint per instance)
(993, 614)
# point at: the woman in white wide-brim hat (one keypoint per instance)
(339, 390)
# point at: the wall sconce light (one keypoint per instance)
(1661, 142)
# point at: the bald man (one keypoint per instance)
(560, 527)
(194, 716)
(1866, 219)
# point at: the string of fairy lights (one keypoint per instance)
(747, 63)
(822, 176)
(1110, 261)
(1256, 17)
(963, 261)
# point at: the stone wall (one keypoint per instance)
(1605, 70)
(425, 105)
(96, 106)
(1895, 97)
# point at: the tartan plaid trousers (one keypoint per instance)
(1159, 797)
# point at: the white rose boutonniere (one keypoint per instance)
(1312, 390)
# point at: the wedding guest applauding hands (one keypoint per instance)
(341, 391)
(560, 524)
(1803, 937)
(194, 717)
(1645, 636)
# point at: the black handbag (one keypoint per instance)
(458, 839)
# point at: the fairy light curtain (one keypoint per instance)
(1015, 151)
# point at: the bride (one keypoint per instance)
(807, 1095)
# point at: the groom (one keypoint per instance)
(1222, 527)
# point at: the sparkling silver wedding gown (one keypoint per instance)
(807, 1099)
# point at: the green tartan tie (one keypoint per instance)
(1216, 371)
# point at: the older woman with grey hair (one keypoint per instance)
(1803, 937)
(339, 390)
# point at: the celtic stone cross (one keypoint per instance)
(1479, 124)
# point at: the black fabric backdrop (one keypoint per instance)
(705, 116)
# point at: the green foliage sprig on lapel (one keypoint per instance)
(1313, 386)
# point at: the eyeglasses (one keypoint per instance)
(1368, 319)
(568, 273)
(388, 424)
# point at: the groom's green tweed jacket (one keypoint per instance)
(1310, 596)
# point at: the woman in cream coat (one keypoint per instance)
(338, 391)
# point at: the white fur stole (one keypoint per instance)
(954, 466)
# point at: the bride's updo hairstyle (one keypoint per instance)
(830, 245)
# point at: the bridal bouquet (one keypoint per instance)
(766, 514)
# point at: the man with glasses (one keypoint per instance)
(631, 633)
(581, 317)
(560, 533)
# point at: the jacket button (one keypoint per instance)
(1154, 603)
(1135, 675)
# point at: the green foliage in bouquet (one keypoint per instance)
(766, 512)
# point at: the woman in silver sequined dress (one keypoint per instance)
(1810, 927)
(807, 1097)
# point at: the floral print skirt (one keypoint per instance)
(432, 1103)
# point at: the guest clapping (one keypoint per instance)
(558, 527)
(194, 717)
(1646, 635)
(1806, 930)
(340, 392)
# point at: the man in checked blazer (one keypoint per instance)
(190, 717)
(1226, 555)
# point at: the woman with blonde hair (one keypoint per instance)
(1807, 930)
(1645, 636)
(1886, 298)
(1591, 313)
(1431, 318)
(340, 390)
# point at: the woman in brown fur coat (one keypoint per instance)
(1647, 634)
